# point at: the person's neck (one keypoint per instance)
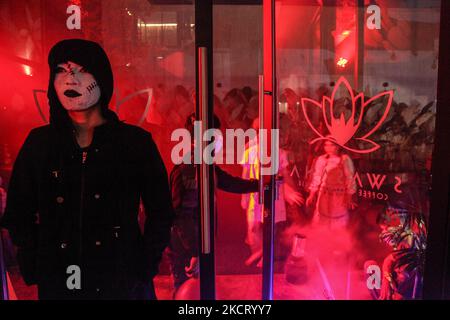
(87, 120)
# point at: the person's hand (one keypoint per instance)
(350, 203)
(310, 199)
(245, 199)
(193, 268)
(316, 218)
(293, 197)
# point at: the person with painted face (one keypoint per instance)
(76, 186)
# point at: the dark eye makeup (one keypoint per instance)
(60, 70)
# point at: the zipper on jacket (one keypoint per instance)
(80, 218)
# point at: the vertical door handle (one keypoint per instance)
(260, 145)
(204, 173)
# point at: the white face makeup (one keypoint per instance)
(76, 88)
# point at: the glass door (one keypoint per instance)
(237, 61)
(356, 85)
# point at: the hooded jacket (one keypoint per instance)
(70, 208)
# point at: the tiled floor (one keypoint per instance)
(247, 287)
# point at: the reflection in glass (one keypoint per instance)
(152, 52)
(361, 80)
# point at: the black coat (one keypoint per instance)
(61, 211)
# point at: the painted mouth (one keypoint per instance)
(72, 93)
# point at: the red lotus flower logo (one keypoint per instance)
(343, 130)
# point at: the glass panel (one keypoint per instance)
(152, 52)
(357, 93)
(237, 63)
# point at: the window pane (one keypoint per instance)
(152, 51)
(357, 95)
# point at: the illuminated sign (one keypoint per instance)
(373, 186)
(342, 131)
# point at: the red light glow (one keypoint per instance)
(27, 70)
(342, 62)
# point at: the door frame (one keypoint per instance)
(437, 266)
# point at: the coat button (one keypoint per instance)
(59, 199)
(63, 245)
(98, 243)
(97, 196)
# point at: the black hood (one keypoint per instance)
(91, 56)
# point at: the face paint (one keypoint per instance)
(76, 88)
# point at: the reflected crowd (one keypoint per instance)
(370, 198)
